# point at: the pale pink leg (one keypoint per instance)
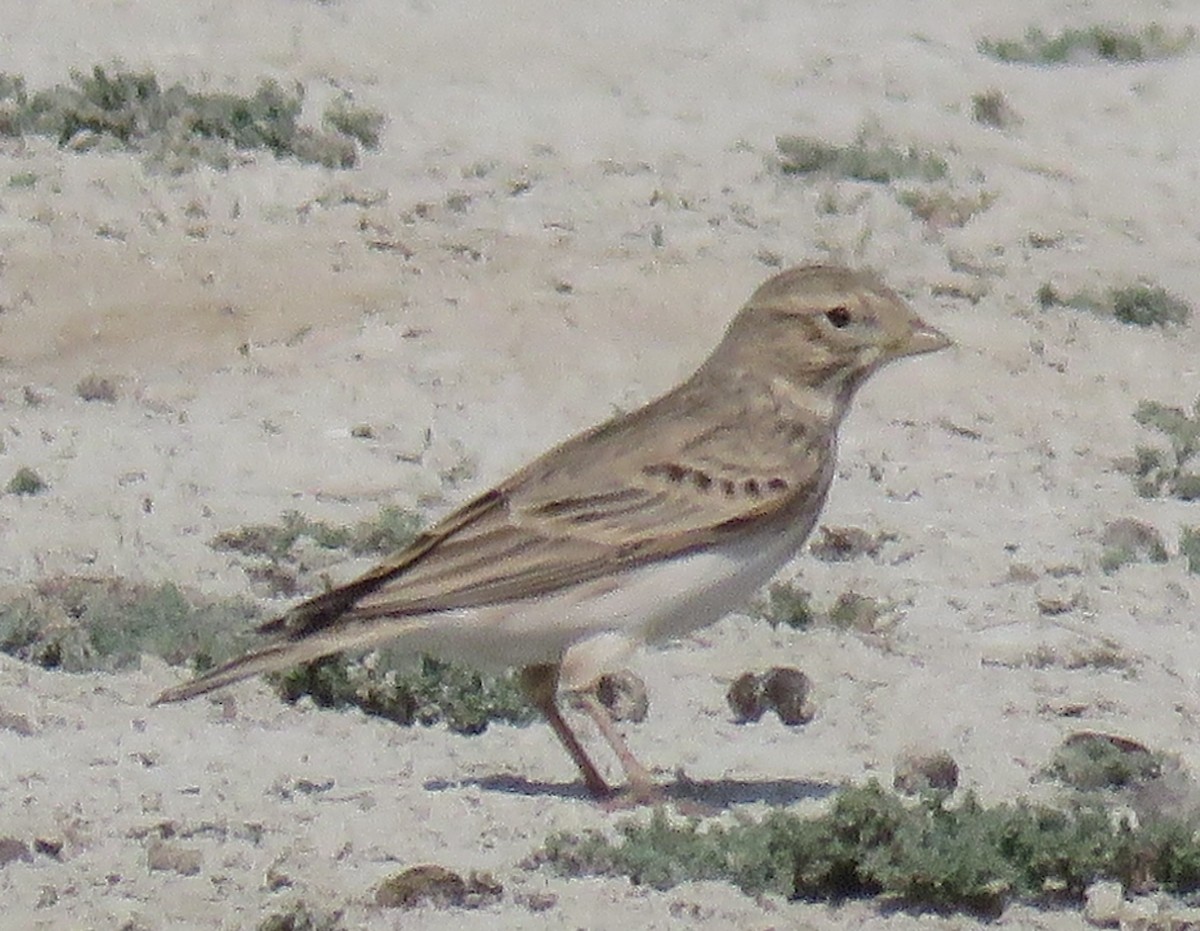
(541, 685)
(642, 788)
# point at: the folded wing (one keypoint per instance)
(606, 501)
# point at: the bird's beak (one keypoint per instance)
(923, 338)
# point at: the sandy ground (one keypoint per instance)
(569, 202)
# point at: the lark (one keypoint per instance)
(638, 531)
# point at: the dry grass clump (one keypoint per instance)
(865, 159)
(178, 127)
(1112, 44)
(1141, 304)
(991, 108)
(1171, 472)
(82, 624)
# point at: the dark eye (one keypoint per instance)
(838, 316)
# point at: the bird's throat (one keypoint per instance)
(823, 404)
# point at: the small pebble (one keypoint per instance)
(624, 695)
(917, 772)
(438, 886)
(167, 857)
(15, 722)
(745, 697)
(1103, 903)
(788, 691)
(536, 901)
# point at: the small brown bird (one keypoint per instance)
(651, 525)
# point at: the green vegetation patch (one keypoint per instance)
(1092, 44)
(1148, 305)
(1127, 541)
(1089, 761)
(386, 684)
(1189, 546)
(178, 127)
(25, 481)
(1140, 304)
(942, 208)
(276, 556)
(991, 108)
(865, 159)
(927, 854)
(853, 611)
(343, 118)
(1171, 472)
(787, 604)
(392, 529)
(86, 624)
(1049, 296)
(300, 917)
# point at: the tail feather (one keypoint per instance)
(350, 633)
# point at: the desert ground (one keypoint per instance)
(567, 204)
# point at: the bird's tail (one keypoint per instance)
(348, 634)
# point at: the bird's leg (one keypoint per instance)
(541, 686)
(642, 788)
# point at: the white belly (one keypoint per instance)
(592, 628)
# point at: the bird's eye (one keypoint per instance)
(838, 316)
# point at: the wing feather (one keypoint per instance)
(646, 496)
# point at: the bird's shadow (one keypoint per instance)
(716, 794)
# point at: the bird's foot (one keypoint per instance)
(634, 795)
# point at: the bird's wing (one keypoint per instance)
(617, 497)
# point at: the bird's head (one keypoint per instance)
(823, 329)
